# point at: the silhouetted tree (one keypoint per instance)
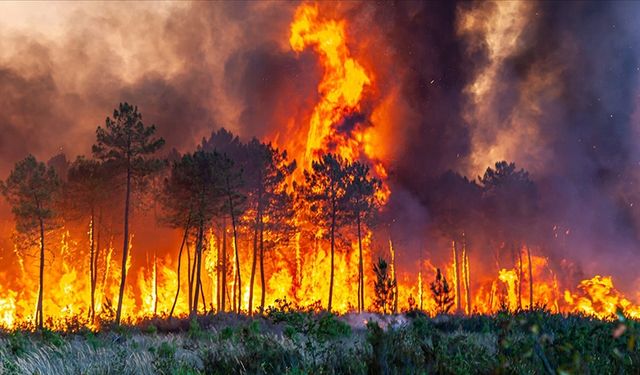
(384, 287)
(128, 146)
(455, 202)
(30, 190)
(87, 193)
(361, 205)
(441, 293)
(266, 173)
(324, 190)
(510, 201)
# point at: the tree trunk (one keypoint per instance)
(238, 275)
(96, 256)
(223, 263)
(263, 284)
(125, 246)
(332, 233)
(92, 270)
(39, 310)
(254, 261)
(190, 273)
(530, 279)
(465, 276)
(456, 271)
(184, 240)
(360, 268)
(198, 268)
(520, 274)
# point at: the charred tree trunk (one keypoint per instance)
(530, 279)
(223, 267)
(96, 256)
(456, 271)
(360, 267)
(465, 276)
(198, 268)
(190, 273)
(39, 310)
(332, 234)
(520, 274)
(92, 270)
(263, 284)
(254, 260)
(184, 240)
(125, 246)
(238, 275)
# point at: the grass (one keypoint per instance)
(289, 341)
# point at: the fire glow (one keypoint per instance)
(336, 125)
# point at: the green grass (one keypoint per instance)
(287, 341)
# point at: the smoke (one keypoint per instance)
(552, 86)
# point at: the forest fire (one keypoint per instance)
(246, 224)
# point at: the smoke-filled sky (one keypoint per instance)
(552, 86)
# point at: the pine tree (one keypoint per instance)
(128, 146)
(31, 191)
(442, 293)
(384, 287)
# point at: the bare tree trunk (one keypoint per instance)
(198, 266)
(456, 271)
(263, 283)
(465, 276)
(530, 279)
(190, 273)
(254, 261)
(92, 270)
(238, 275)
(520, 274)
(125, 246)
(360, 268)
(333, 229)
(224, 263)
(39, 309)
(184, 240)
(96, 256)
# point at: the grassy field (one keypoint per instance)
(294, 342)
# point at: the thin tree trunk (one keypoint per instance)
(96, 257)
(333, 227)
(456, 271)
(254, 261)
(520, 274)
(263, 284)
(530, 279)
(184, 240)
(125, 246)
(92, 270)
(224, 264)
(198, 264)
(39, 312)
(190, 273)
(360, 268)
(238, 275)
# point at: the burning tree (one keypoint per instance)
(510, 201)
(194, 195)
(325, 190)
(361, 205)
(86, 181)
(384, 286)
(267, 171)
(30, 190)
(127, 145)
(441, 293)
